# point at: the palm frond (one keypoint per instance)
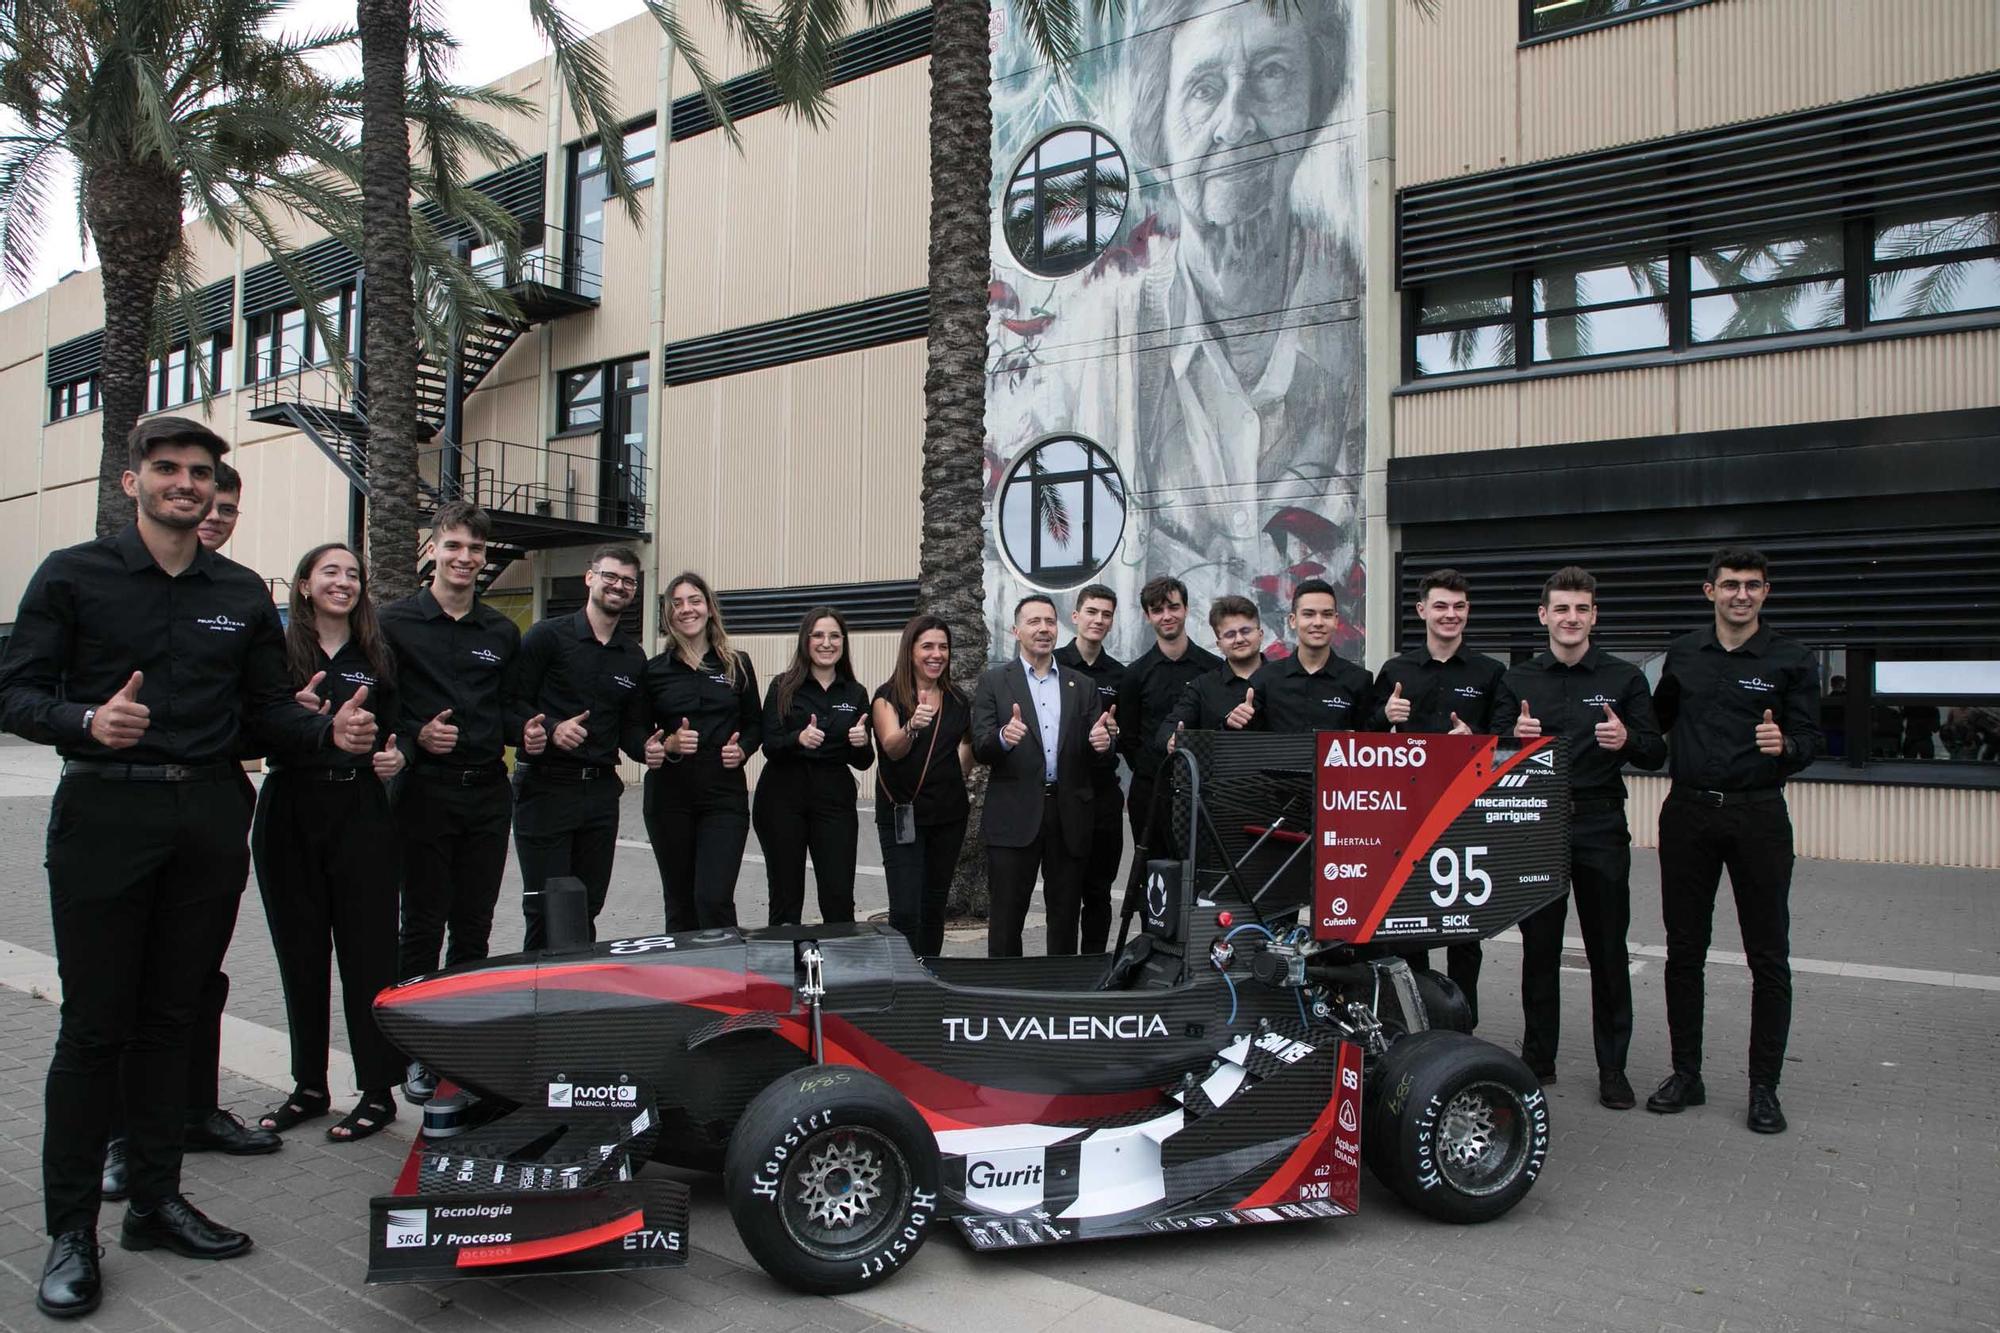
(26, 165)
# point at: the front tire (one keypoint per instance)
(1459, 1127)
(832, 1179)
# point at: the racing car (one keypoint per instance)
(1256, 1036)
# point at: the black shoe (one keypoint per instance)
(1676, 1094)
(420, 1084)
(177, 1225)
(1614, 1090)
(1766, 1116)
(71, 1283)
(117, 1183)
(222, 1131)
(1545, 1070)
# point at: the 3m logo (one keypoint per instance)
(1545, 758)
(1513, 780)
(408, 1228)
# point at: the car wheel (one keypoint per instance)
(832, 1179)
(1457, 1127)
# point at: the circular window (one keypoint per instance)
(1065, 200)
(1062, 510)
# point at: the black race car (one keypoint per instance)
(1248, 1046)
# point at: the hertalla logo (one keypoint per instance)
(221, 623)
(1073, 1027)
(1348, 752)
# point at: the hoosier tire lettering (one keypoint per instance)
(1462, 1129)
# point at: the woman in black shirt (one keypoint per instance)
(815, 731)
(921, 721)
(706, 719)
(328, 861)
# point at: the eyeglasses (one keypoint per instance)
(1741, 585)
(609, 579)
(1240, 632)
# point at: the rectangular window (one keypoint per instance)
(174, 383)
(1600, 308)
(580, 398)
(73, 398)
(639, 145)
(1774, 284)
(1552, 18)
(1935, 261)
(1465, 325)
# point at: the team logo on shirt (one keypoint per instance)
(722, 680)
(1469, 692)
(623, 682)
(1338, 701)
(486, 655)
(221, 623)
(1757, 685)
(1599, 701)
(357, 678)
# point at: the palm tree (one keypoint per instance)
(170, 110)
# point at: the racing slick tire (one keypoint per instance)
(832, 1179)
(1457, 1127)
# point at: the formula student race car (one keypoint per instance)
(1247, 1047)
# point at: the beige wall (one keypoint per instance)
(1845, 821)
(1470, 98)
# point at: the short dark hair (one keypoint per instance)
(1154, 595)
(1738, 557)
(1230, 605)
(1034, 597)
(227, 479)
(624, 555)
(1311, 586)
(153, 432)
(463, 514)
(1090, 590)
(1448, 579)
(1570, 578)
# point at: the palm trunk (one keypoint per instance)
(134, 212)
(951, 565)
(389, 331)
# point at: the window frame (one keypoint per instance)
(1093, 245)
(1529, 37)
(75, 398)
(1061, 577)
(264, 336)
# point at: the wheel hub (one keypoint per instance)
(839, 1184)
(1466, 1132)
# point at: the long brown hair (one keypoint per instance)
(718, 637)
(302, 626)
(801, 667)
(903, 680)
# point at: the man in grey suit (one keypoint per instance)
(1044, 732)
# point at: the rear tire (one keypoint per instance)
(832, 1179)
(1457, 1127)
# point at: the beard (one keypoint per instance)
(154, 507)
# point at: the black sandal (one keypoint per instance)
(303, 1105)
(374, 1111)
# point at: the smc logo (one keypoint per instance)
(1344, 870)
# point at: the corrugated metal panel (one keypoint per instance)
(1565, 409)
(1774, 390)
(899, 178)
(892, 443)
(1927, 374)
(858, 55)
(885, 319)
(690, 465)
(1840, 821)
(1597, 89)
(1485, 416)
(1955, 38)
(1455, 79)
(1742, 61)
(753, 413)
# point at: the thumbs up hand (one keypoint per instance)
(573, 731)
(1770, 740)
(121, 720)
(1396, 708)
(1526, 727)
(656, 748)
(857, 735)
(684, 741)
(354, 725)
(1174, 741)
(732, 753)
(308, 697)
(1611, 731)
(1106, 730)
(812, 737)
(389, 760)
(535, 735)
(1241, 715)
(1014, 729)
(439, 736)
(1458, 728)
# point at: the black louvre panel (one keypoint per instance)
(327, 264)
(214, 306)
(863, 53)
(777, 610)
(79, 357)
(520, 189)
(841, 328)
(1928, 144)
(76, 359)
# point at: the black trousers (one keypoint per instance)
(919, 876)
(328, 867)
(1600, 879)
(698, 818)
(144, 882)
(1754, 843)
(564, 828)
(1011, 877)
(1139, 805)
(801, 808)
(454, 851)
(1107, 849)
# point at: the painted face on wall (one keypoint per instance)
(1239, 87)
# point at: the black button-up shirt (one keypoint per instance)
(1710, 701)
(1569, 701)
(208, 642)
(1462, 684)
(562, 671)
(1108, 674)
(928, 776)
(346, 672)
(458, 664)
(835, 709)
(1152, 686)
(706, 699)
(1205, 701)
(1337, 697)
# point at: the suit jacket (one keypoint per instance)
(1014, 794)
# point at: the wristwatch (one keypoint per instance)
(88, 714)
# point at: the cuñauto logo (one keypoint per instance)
(1340, 907)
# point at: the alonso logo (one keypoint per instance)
(1343, 753)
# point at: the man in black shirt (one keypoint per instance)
(143, 658)
(1741, 704)
(1092, 614)
(452, 653)
(1601, 705)
(1215, 702)
(576, 680)
(1153, 685)
(1314, 689)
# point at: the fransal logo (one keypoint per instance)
(1343, 870)
(1355, 754)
